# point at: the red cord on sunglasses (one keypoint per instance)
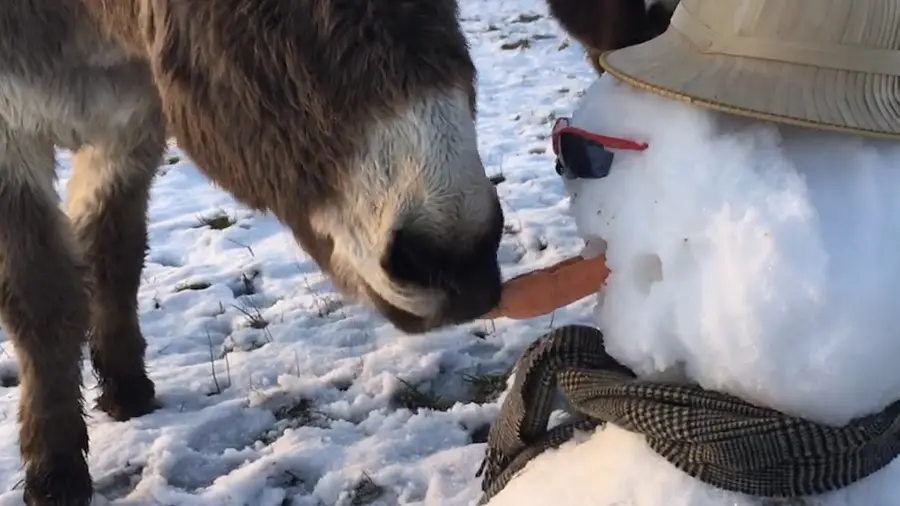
(561, 126)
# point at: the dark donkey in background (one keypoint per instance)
(603, 25)
(352, 121)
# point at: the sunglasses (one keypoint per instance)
(584, 155)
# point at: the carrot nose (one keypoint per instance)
(542, 291)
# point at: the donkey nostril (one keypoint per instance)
(409, 260)
(460, 264)
(469, 277)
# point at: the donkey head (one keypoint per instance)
(354, 122)
(412, 224)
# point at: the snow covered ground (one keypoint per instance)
(275, 392)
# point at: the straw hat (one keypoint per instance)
(824, 64)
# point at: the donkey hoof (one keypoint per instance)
(126, 398)
(61, 483)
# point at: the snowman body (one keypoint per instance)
(756, 260)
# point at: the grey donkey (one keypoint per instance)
(351, 121)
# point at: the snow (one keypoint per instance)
(756, 260)
(614, 467)
(301, 411)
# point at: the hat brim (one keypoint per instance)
(813, 97)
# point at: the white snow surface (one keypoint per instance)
(754, 259)
(233, 439)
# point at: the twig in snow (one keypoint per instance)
(212, 367)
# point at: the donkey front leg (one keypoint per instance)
(44, 309)
(107, 204)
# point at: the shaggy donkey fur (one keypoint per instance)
(352, 121)
(603, 25)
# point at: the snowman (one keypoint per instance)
(739, 176)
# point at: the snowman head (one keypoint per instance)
(751, 243)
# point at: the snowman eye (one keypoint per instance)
(582, 158)
(583, 155)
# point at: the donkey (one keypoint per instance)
(604, 25)
(351, 121)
